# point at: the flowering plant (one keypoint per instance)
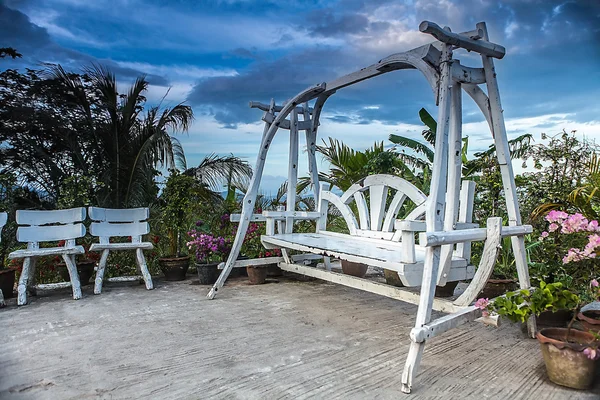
(570, 246)
(253, 247)
(208, 248)
(520, 305)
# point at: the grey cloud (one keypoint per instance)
(328, 23)
(36, 45)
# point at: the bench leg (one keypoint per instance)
(2, 302)
(144, 268)
(100, 273)
(75, 284)
(23, 280)
(415, 352)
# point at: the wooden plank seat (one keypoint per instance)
(37, 227)
(112, 223)
(375, 252)
(377, 237)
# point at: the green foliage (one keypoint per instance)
(179, 202)
(520, 305)
(57, 125)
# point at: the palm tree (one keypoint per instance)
(118, 146)
(348, 166)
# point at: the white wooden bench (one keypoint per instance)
(377, 238)
(3, 219)
(48, 226)
(109, 223)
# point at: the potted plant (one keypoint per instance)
(209, 251)
(253, 248)
(179, 201)
(570, 355)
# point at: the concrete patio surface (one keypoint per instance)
(283, 340)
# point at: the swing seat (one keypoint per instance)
(374, 252)
(378, 238)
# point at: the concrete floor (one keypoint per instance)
(286, 339)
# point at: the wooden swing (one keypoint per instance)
(378, 238)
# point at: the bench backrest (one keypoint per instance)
(376, 216)
(111, 222)
(49, 226)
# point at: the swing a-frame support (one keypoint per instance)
(378, 237)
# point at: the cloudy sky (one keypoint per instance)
(217, 55)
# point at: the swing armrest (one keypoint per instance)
(299, 215)
(253, 218)
(276, 216)
(405, 231)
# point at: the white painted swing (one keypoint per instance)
(379, 238)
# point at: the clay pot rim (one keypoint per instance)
(543, 336)
(582, 317)
(172, 258)
(8, 269)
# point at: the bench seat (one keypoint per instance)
(46, 251)
(374, 252)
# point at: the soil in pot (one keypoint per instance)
(565, 361)
(85, 270)
(497, 287)
(257, 275)
(208, 273)
(392, 278)
(354, 268)
(7, 282)
(174, 268)
(446, 291)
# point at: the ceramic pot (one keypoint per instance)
(354, 268)
(565, 362)
(85, 270)
(174, 268)
(257, 275)
(590, 320)
(208, 273)
(7, 282)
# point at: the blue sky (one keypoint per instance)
(218, 55)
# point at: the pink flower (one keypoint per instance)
(592, 354)
(556, 216)
(482, 303)
(544, 235)
(594, 283)
(553, 227)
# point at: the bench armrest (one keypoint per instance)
(412, 226)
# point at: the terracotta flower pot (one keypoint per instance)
(208, 273)
(7, 282)
(174, 268)
(257, 275)
(565, 361)
(590, 320)
(354, 268)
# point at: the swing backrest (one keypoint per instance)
(377, 201)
